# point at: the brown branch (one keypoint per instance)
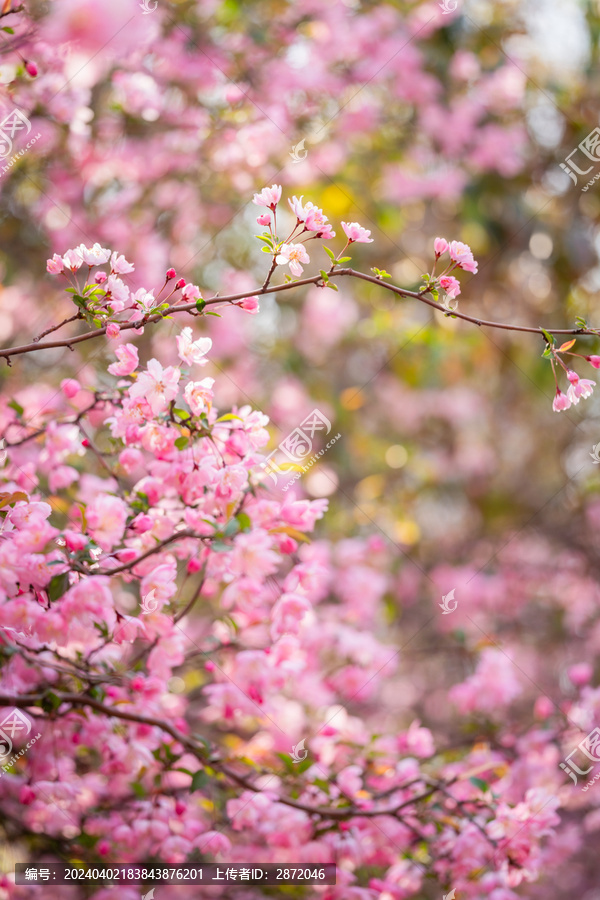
(315, 279)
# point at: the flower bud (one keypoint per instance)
(31, 69)
(171, 273)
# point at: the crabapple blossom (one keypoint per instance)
(269, 197)
(157, 385)
(192, 352)
(356, 233)
(451, 285)
(294, 255)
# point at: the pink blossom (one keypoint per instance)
(248, 304)
(581, 389)
(118, 291)
(190, 292)
(54, 265)
(356, 233)
(451, 285)
(264, 219)
(106, 517)
(572, 376)
(316, 221)
(94, 256)
(120, 265)
(440, 245)
(190, 351)
(269, 197)
(594, 361)
(156, 385)
(99, 277)
(170, 274)
(461, 254)
(297, 208)
(198, 395)
(72, 260)
(112, 330)
(561, 401)
(70, 387)
(288, 614)
(294, 254)
(127, 354)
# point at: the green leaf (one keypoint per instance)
(138, 789)
(266, 250)
(479, 783)
(266, 238)
(548, 336)
(329, 252)
(345, 259)
(59, 585)
(199, 780)
(17, 407)
(8, 30)
(50, 702)
(182, 442)
(218, 315)
(220, 547)
(227, 417)
(200, 304)
(332, 287)
(245, 521)
(182, 413)
(324, 275)
(232, 527)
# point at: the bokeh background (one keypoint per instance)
(157, 128)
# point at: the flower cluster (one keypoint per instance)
(579, 388)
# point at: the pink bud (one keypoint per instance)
(264, 219)
(100, 277)
(74, 540)
(193, 566)
(580, 674)
(171, 273)
(112, 330)
(103, 848)
(142, 523)
(70, 387)
(31, 69)
(594, 361)
(180, 284)
(209, 666)
(440, 245)
(137, 683)
(249, 304)
(572, 376)
(85, 443)
(180, 808)
(26, 795)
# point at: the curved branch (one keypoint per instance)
(266, 289)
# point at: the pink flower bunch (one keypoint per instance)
(461, 257)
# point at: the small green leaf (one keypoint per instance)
(332, 287)
(17, 407)
(200, 304)
(182, 413)
(220, 547)
(232, 527)
(345, 259)
(329, 252)
(50, 702)
(218, 315)
(548, 336)
(479, 783)
(199, 780)
(138, 789)
(227, 417)
(266, 250)
(245, 521)
(59, 585)
(182, 442)
(266, 238)
(8, 30)
(324, 275)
